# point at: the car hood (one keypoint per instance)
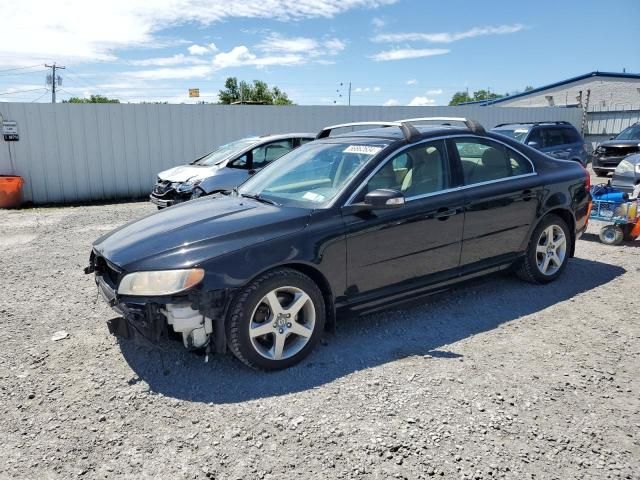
(184, 173)
(620, 143)
(191, 233)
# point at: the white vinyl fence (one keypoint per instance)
(83, 152)
(603, 124)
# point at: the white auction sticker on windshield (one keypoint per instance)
(364, 149)
(314, 197)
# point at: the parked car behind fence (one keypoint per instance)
(223, 169)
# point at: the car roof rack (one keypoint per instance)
(545, 122)
(410, 132)
(472, 125)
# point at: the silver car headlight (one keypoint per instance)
(625, 166)
(160, 282)
(187, 187)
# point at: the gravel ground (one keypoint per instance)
(495, 379)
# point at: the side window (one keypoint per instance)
(264, 154)
(240, 162)
(417, 171)
(571, 135)
(553, 137)
(302, 141)
(536, 138)
(519, 164)
(482, 160)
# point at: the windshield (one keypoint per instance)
(631, 133)
(225, 151)
(310, 176)
(518, 134)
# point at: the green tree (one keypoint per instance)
(478, 95)
(257, 91)
(92, 99)
(460, 97)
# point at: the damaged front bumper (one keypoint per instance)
(196, 316)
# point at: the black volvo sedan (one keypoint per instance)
(348, 223)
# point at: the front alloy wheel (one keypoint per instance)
(282, 323)
(276, 320)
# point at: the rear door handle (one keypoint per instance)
(444, 213)
(527, 195)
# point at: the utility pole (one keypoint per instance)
(54, 80)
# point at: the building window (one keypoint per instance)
(550, 100)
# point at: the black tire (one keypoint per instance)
(249, 300)
(611, 235)
(600, 173)
(528, 268)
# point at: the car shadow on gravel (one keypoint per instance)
(428, 329)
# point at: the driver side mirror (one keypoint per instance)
(383, 198)
(533, 144)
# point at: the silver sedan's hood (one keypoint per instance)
(184, 173)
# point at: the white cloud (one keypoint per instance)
(421, 101)
(405, 53)
(413, 81)
(277, 43)
(448, 37)
(334, 46)
(202, 50)
(392, 102)
(41, 31)
(435, 91)
(240, 56)
(309, 47)
(179, 59)
(196, 71)
(367, 89)
(378, 22)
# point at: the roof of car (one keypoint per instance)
(529, 125)
(391, 133)
(278, 136)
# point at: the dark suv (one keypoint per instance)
(344, 224)
(557, 139)
(610, 153)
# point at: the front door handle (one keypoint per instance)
(444, 213)
(527, 195)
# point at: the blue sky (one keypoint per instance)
(392, 51)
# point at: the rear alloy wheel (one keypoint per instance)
(277, 320)
(548, 251)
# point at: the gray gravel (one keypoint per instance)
(496, 379)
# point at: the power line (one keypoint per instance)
(23, 91)
(22, 73)
(36, 99)
(19, 68)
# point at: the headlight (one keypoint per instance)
(625, 166)
(187, 187)
(160, 282)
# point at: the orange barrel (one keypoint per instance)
(10, 191)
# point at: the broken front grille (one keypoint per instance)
(109, 273)
(162, 187)
(619, 151)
